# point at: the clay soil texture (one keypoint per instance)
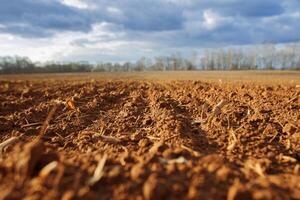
(149, 139)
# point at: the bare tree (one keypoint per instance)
(141, 64)
(159, 64)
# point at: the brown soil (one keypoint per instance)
(143, 139)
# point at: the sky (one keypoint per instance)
(125, 30)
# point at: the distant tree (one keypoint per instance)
(140, 64)
(127, 66)
(177, 62)
(269, 52)
(158, 64)
(191, 64)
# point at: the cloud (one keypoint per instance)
(100, 44)
(253, 8)
(147, 15)
(78, 4)
(121, 29)
(41, 18)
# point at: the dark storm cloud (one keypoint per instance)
(251, 8)
(147, 15)
(22, 17)
(258, 8)
(166, 22)
(138, 15)
(38, 18)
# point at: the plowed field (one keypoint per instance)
(149, 139)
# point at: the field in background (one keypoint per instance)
(150, 135)
(235, 76)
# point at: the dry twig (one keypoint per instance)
(232, 141)
(195, 153)
(286, 159)
(104, 138)
(216, 110)
(257, 166)
(6, 143)
(31, 124)
(179, 160)
(98, 173)
(47, 121)
(48, 169)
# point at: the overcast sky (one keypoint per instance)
(121, 30)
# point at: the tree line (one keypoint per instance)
(267, 56)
